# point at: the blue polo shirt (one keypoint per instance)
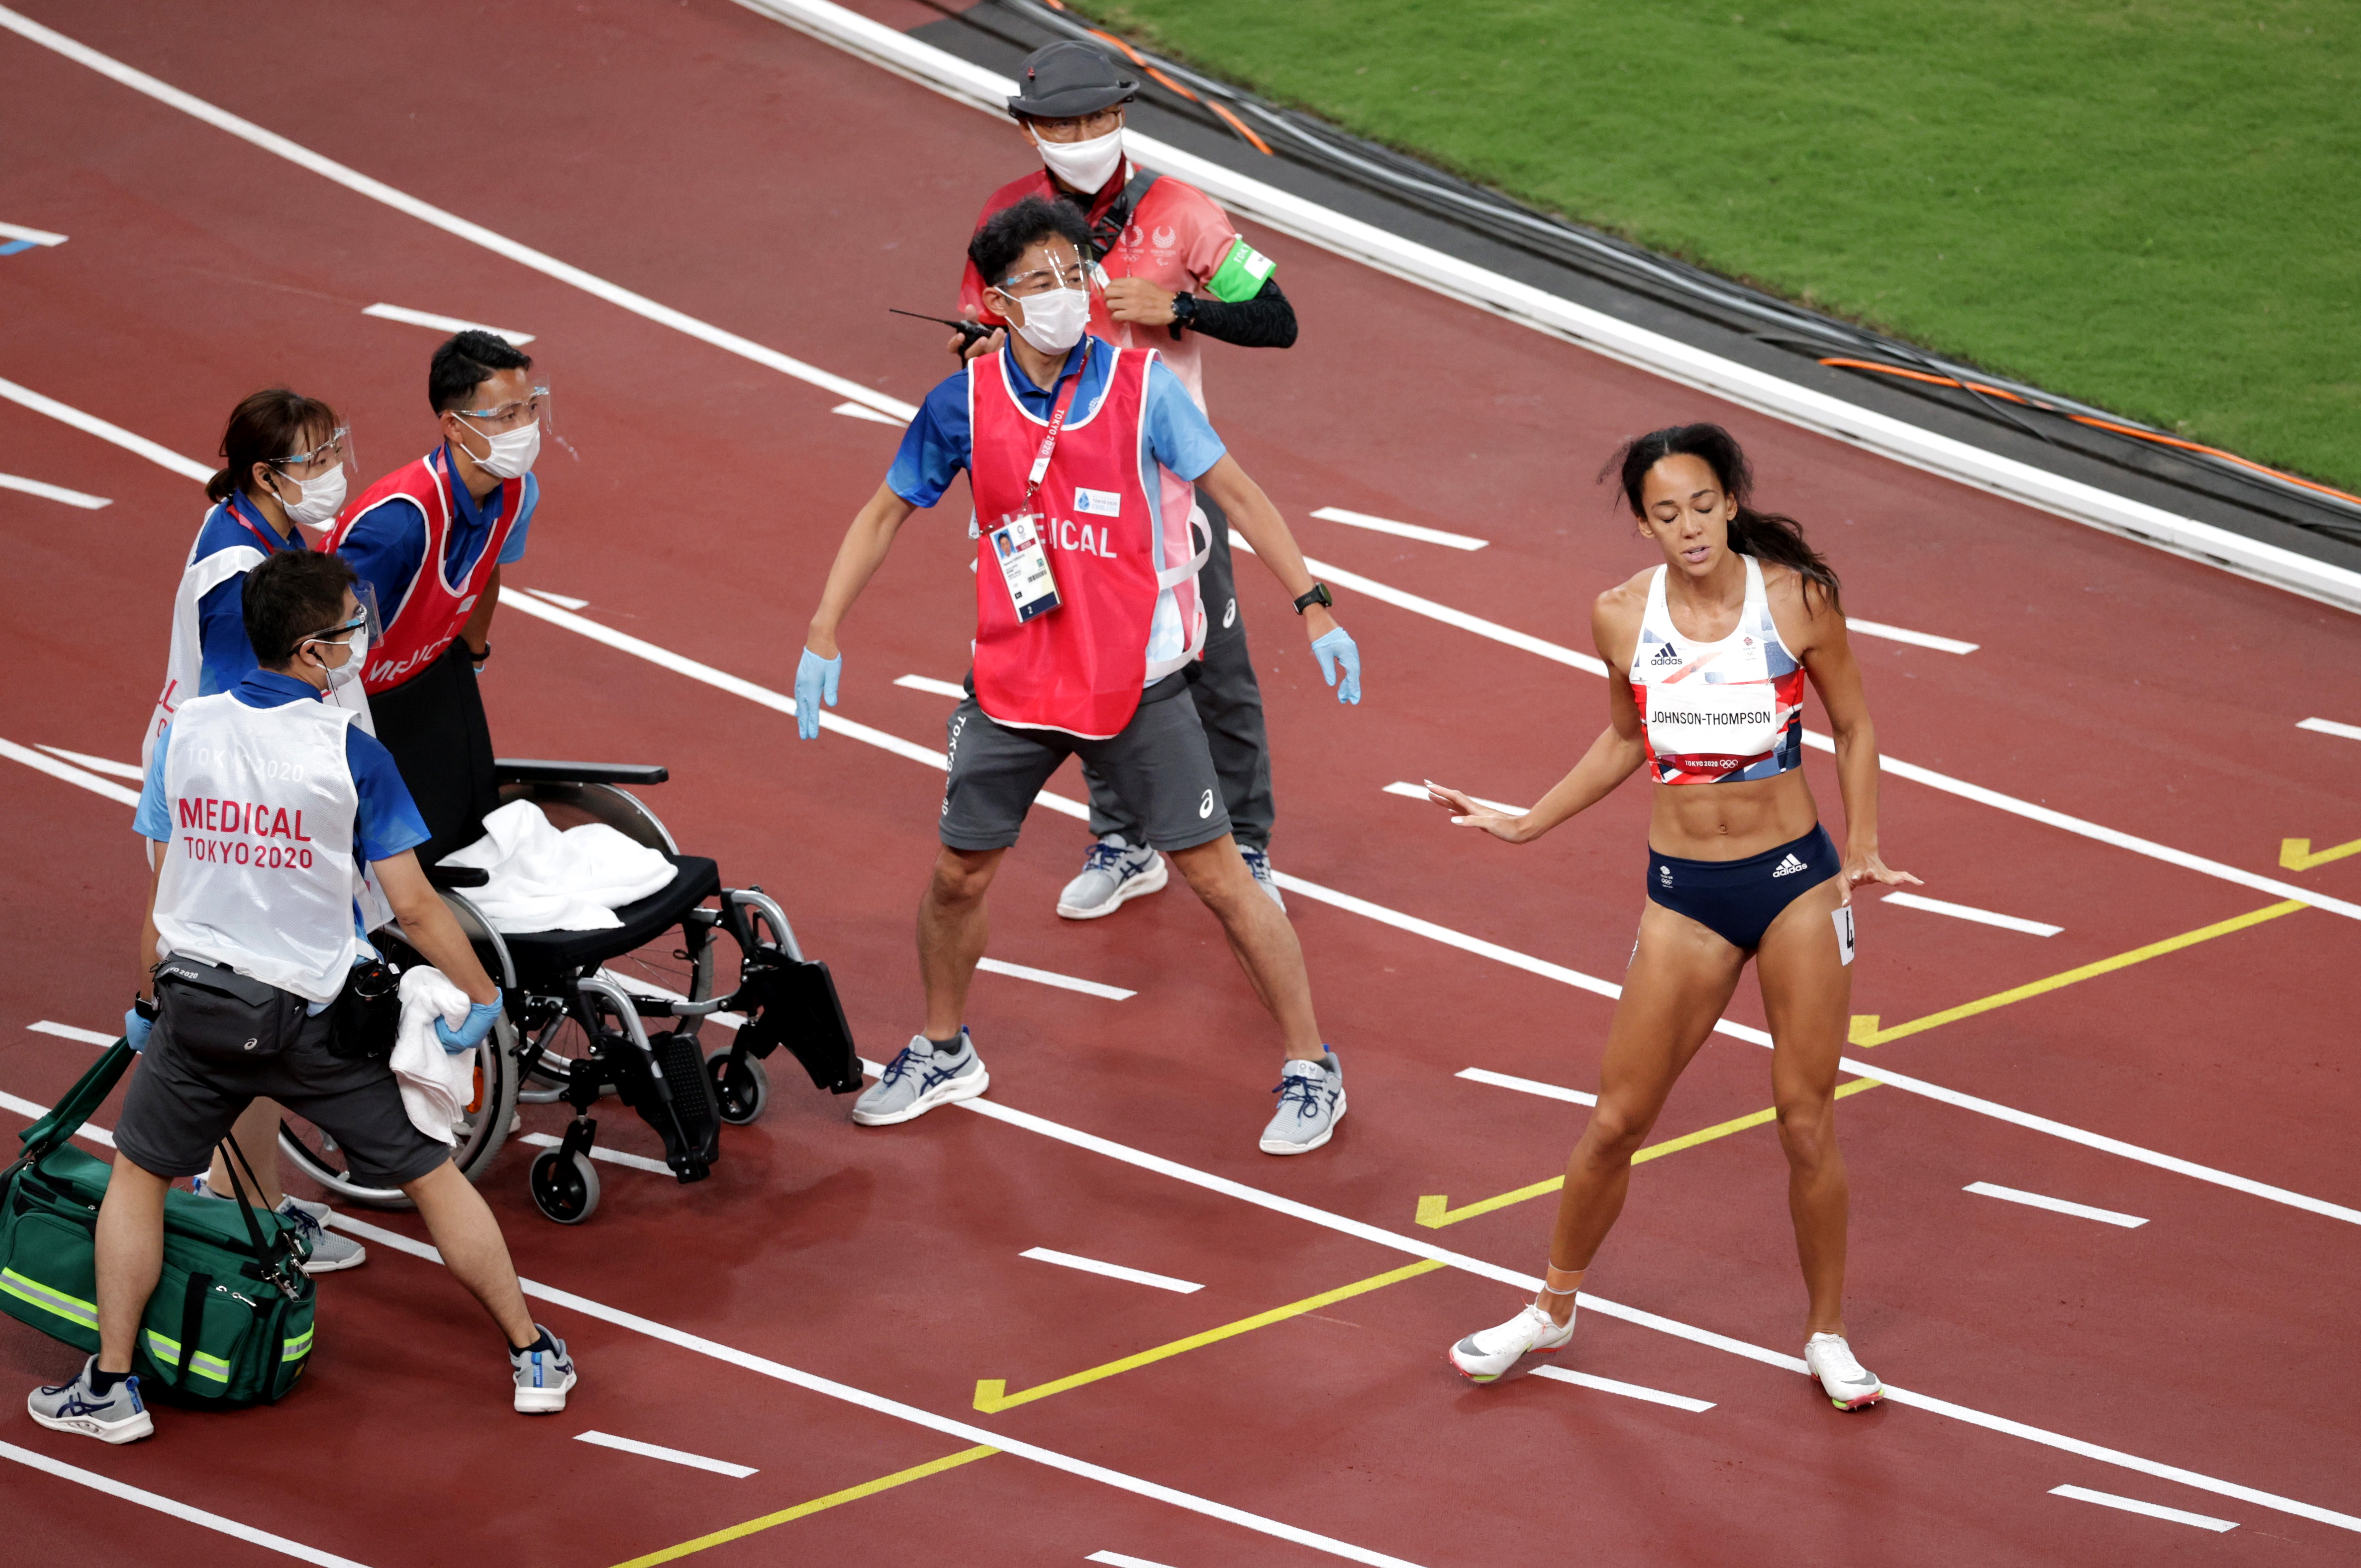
(938, 443)
(386, 549)
(386, 821)
(228, 657)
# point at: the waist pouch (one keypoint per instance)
(216, 1014)
(229, 1324)
(367, 1015)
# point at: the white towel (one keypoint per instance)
(542, 879)
(435, 1085)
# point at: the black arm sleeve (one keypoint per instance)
(1266, 321)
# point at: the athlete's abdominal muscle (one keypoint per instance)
(1731, 821)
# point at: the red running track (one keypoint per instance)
(758, 180)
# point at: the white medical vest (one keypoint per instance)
(259, 874)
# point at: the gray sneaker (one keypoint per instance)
(328, 1251)
(1311, 1103)
(1113, 873)
(319, 1212)
(542, 1376)
(919, 1080)
(117, 1416)
(1259, 862)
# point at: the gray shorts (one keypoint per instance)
(182, 1103)
(1158, 764)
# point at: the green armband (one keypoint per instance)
(1241, 275)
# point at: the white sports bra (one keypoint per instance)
(1714, 712)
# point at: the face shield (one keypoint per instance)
(321, 477)
(359, 634)
(512, 432)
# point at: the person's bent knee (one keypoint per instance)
(1806, 1129)
(1214, 871)
(1613, 1135)
(963, 875)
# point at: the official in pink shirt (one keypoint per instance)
(1176, 271)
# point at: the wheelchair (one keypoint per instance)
(559, 992)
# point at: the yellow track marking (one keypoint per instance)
(817, 1505)
(1434, 1211)
(1865, 1030)
(2296, 854)
(992, 1394)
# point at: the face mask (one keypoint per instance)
(323, 498)
(344, 675)
(1084, 165)
(512, 451)
(1055, 321)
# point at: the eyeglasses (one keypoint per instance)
(329, 452)
(1061, 273)
(338, 633)
(1078, 127)
(507, 414)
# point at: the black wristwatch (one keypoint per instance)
(143, 1006)
(1184, 312)
(475, 658)
(1319, 596)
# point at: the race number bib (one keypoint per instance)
(1024, 566)
(1843, 916)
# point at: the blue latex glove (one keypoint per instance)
(135, 1028)
(815, 683)
(1335, 649)
(470, 1035)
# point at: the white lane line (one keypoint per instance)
(1813, 737)
(98, 1135)
(1418, 791)
(1526, 1086)
(670, 1455)
(613, 1156)
(1966, 912)
(1413, 1247)
(1117, 1560)
(1290, 882)
(162, 457)
(1915, 638)
(563, 601)
(856, 411)
(1112, 1270)
(2056, 1205)
(2153, 1510)
(928, 683)
(2329, 727)
(443, 324)
(53, 492)
(451, 224)
(68, 1032)
(43, 762)
(1050, 977)
(1628, 1390)
(97, 765)
(1404, 530)
(812, 1382)
(30, 237)
(174, 1507)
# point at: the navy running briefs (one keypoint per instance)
(1737, 900)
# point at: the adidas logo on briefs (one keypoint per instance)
(1791, 864)
(1667, 654)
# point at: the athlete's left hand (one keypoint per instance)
(1863, 866)
(1337, 648)
(1138, 301)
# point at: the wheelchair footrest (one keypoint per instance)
(691, 1125)
(792, 1003)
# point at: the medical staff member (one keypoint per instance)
(263, 801)
(1082, 636)
(285, 464)
(1177, 272)
(429, 539)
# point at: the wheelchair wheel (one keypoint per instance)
(742, 1089)
(565, 1186)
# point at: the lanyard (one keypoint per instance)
(1057, 423)
(269, 546)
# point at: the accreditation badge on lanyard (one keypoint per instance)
(1017, 537)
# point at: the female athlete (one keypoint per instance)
(1707, 655)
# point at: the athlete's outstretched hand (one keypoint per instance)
(1334, 648)
(815, 684)
(1473, 813)
(1863, 866)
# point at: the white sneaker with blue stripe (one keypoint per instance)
(1112, 874)
(1259, 863)
(116, 1416)
(327, 1251)
(919, 1078)
(1311, 1103)
(542, 1376)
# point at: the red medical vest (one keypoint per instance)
(434, 609)
(1080, 667)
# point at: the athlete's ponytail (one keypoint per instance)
(1766, 536)
(265, 427)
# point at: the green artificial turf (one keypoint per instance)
(2152, 207)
